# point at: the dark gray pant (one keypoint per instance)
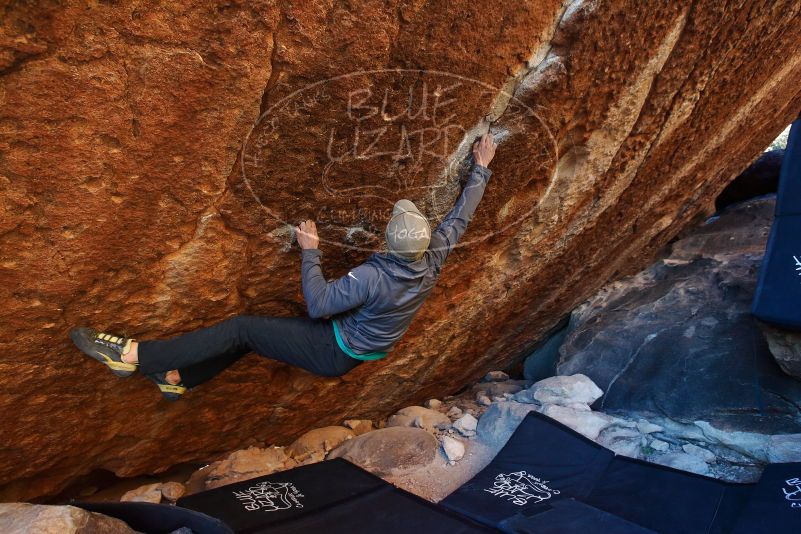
(202, 354)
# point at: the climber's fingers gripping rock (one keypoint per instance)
(307, 235)
(484, 150)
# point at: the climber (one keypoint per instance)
(354, 319)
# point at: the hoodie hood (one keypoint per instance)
(399, 268)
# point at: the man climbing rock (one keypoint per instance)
(355, 319)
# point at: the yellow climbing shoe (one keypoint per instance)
(171, 392)
(105, 348)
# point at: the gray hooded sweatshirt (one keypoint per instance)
(373, 305)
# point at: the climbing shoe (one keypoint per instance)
(105, 348)
(171, 392)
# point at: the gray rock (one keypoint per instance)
(678, 339)
(587, 423)
(491, 389)
(541, 363)
(19, 518)
(704, 454)
(566, 390)
(500, 420)
(454, 412)
(784, 448)
(495, 376)
(785, 346)
(466, 425)
(390, 451)
(417, 416)
(659, 445)
(453, 448)
(683, 461)
(648, 428)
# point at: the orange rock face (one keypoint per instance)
(153, 156)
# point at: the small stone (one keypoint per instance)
(172, 491)
(648, 428)
(147, 493)
(433, 404)
(700, 452)
(466, 424)
(455, 412)
(483, 400)
(454, 449)
(659, 445)
(495, 376)
(359, 426)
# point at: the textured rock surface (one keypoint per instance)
(390, 451)
(123, 205)
(22, 518)
(785, 345)
(678, 340)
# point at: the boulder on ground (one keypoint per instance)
(246, 464)
(454, 412)
(700, 452)
(679, 340)
(433, 404)
(318, 441)
(586, 423)
(565, 390)
(25, 518)
(390, 451)
(419, 417)
(466, 425)
(453, 448)
(359, 426)
(500, 421)
(495, 376)
(148, 493)
(172, 491)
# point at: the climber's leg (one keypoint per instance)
(303, 342)
(196, 374)
(216, 341)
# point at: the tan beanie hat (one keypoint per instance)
(408, 233)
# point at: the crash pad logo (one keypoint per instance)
(270, 497)
(797, 265)
(792, 493)
(521, 488)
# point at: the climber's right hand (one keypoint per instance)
(307, 235)
(484, 150)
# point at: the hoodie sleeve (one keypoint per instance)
(328, 298)
(451, 229)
